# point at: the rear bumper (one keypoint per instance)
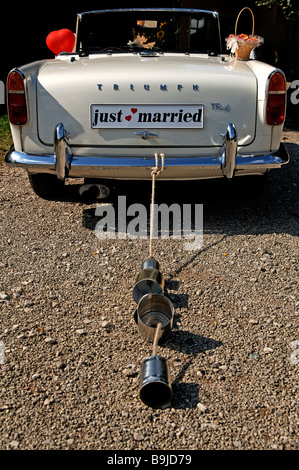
(227, 163)
(140, 168)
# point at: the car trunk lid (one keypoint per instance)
(133, 100)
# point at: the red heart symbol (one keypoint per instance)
(62, 40)
(134, 110)
(128, 118)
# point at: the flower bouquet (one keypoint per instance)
(241, 45)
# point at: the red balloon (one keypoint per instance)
(62, 40)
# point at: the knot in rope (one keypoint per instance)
(157, 170)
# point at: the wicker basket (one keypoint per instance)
(244, 47)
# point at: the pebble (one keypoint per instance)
(201, 407)
(48, 401)
(14, 444)
(107, 325)
(18, 292)
(21, 335)
(177, 363)
(237, 444)
(294, 358)
(4, 296)
(60, 365)
(254, 355)
(50, 340)
(81, 332)
(35, 376)
(294, 344)
(130, 370)
(138, 436)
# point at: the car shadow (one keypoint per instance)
(245, 205)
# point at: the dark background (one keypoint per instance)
(25, 26)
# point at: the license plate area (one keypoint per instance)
(146, 116)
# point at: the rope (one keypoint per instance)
(155, 172)
(156, 339)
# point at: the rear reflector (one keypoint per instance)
(277, 82)
(16, 99)
(276, 103)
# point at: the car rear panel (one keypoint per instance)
(127, 101)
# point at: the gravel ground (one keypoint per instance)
(72, 351)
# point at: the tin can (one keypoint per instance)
(155, 382)
(149, 280)
(153, 309)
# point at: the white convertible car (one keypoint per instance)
(140, 83)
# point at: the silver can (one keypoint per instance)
(153, 309)
(155, 382)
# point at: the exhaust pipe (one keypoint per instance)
(90, 193)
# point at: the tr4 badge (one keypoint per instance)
(220, 107)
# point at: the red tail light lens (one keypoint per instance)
(277, 82)
(16, 99)
(276, 104)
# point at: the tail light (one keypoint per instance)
(16, 98)
(276, 104)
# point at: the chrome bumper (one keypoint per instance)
(227, 163)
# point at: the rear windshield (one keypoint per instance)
(169, 31)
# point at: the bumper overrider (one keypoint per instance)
(227, 163)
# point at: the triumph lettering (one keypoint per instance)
(146, 87)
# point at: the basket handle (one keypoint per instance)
(246, 8)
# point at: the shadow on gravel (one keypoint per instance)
(243, 206)
(186, 394)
